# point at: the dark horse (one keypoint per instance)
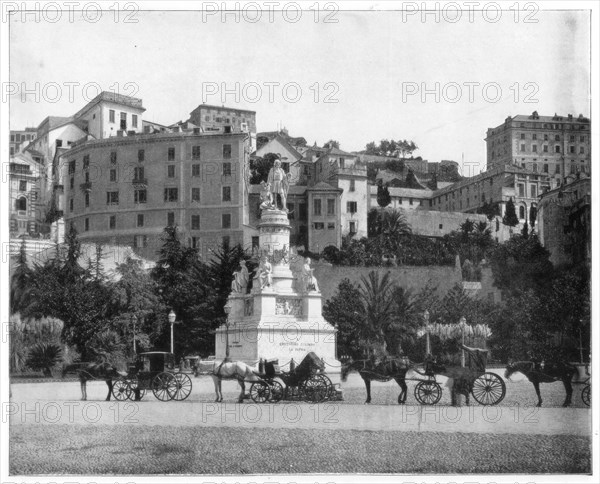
(93, 371)
(387, 369)
(545, 372)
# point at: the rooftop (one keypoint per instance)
(112, 97)
(223, 108)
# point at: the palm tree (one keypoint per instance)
(43, 356)
(378, 303)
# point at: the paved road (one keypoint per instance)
(58, 403)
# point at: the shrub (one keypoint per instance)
(44, 356)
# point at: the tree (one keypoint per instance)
(376, 297)
(332, 144)
(525, 231)
(259, 168)
(383, 195)
(510, 215)
(44, 356)
(532, 215)
(490, 210)
(20, 283)
(345, 311)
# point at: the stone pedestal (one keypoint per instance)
(283, 320)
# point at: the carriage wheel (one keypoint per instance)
(121, 390)
(277, 391)
(314, 389)
(134, 384)
(259, 392)
(585, 394)
(330, 393)
(163, 386)
(183, 387)
(488, 389)
(428, 392)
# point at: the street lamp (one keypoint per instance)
(426, 322)
(462, 322)
(227, 310)
(172, 317)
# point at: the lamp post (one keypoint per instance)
(462, 323)
(426, 322)
(172, 317)
(135, 318)
(227, 310)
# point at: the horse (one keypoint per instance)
(545, 372)
(93, 371)
(227, 370)
(385, 370)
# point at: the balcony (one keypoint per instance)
(86, 187)
(140, 182)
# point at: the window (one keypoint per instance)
(302, 212)
(134, 120)
(556, 138)
(171, 194)
(521, 212)
(87, 199)
(195, 194)
(227, 194)
(71, 167)
(352, 227)
(534, 136)
(521, 190)
(141, 155)
(581, 150)
(170, 171)
(317, 206)
(70, 204)
(535, 167)
(533, 191)
(140, 196)
(140, 219)
(140, 241)
(557, 171)
(196, 169)
(226, 240)
(557, 149)
(113, 175)
(111, 115)
(522, 135)
(195, 222)
(123, 121)
(331, 226)
(226, 151)
(571, 149)
(352, 185)
(21, 204)
(171, 154)
(12, 151)
(170, 218)
(86, 224)
(195, 152)
(582, 139)
(113, 157)
(522, 147)
(534, 148)
(112, 198)
(410, 200)
(351, 207)
(319, 225)
(22, 185)
(226, 169)
(138, 173)
(545, 167)
(573, 169)
(545, 148)
(112, 221)
(545, 137)
(226, 220)
(195, 242)
(572, 138)
(330, 206)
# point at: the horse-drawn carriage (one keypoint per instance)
(306, 382)
(154, 371)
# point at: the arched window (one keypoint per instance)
(21, 203)
(521, 212)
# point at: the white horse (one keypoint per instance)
(227, 370)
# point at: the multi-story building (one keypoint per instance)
(127, 190)
(26, 216)
(221, 119)
(554, 146)
(20, 137)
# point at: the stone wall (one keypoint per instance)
(412, 277)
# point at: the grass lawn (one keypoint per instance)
(90, 450)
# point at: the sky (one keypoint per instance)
(372, 75)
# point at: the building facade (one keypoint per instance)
(19, 138)
(221, 119)
(127, 190)
(26, 213)
(552, 146)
